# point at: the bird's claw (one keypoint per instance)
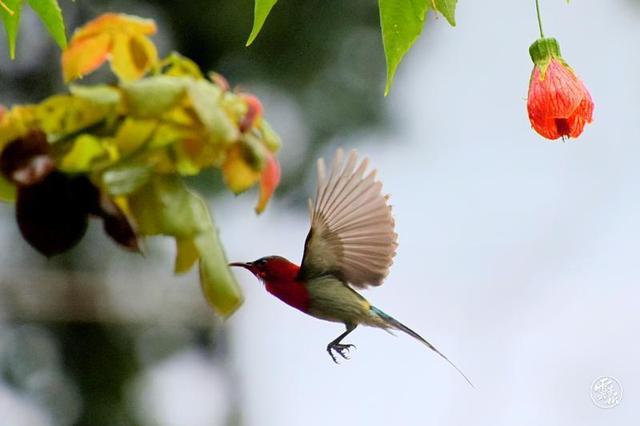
(340, 349)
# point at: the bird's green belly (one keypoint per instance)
(332, 300)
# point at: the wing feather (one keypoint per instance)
(352, 230)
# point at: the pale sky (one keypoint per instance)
(518, 257)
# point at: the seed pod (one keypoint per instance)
(117, 225)
(25, 160)
(52, 217)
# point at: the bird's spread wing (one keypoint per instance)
(352, 230)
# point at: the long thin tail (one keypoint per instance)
(394, 323)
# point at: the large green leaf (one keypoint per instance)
(100, 94)
(51, 16)
(219, 286)
(11, 23)
(49, 13)
(401, 22)
(150, 97)
(124, 179)
(165, 206)
(205, 98)
(448, 10)
(260, 13)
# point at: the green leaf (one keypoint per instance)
(218, 284)
(85, 152)
(133, 134)
(49, 13)
(205, 98)
(180, 66)
(260, 13)
(165, 206)
(270, 137)
(150, 97)
(126, 178)
(51, 16)
(186, 255)
(100, 94)
(401, 22)
(448, 10)
(62, 115)
(7, 190)
(11, 23)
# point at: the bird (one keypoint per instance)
(351, 244)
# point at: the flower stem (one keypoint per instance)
(539, 19)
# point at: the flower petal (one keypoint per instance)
(268, 182)
(132, 56)
(582, 115)
(558, 103)
(85, 56)
(109, 22)
(254, 112)
(121, 38)
(239, 175)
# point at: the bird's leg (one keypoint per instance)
(340, 348)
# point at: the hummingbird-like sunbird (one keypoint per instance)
(351, 243)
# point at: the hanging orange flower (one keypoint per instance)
(559, 104)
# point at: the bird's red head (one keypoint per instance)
(271, 269)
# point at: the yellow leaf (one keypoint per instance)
(16, 122)
(176, 65)
(132, 56)
(110, 22)
(123, 204)
(238, 173)
(64, 114)
(133, 133)
(186, 255)
(85, 152)
(161, 162)
(169, 134)
(120, 38)
(192, 154)
(181, 117)
(85, 56)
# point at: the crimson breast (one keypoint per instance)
(293, 293)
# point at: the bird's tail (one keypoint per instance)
(394, 323)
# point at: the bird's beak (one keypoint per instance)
(242, 265)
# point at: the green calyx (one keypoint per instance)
(543, 50)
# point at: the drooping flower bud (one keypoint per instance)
(559, 104)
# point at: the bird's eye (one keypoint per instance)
(260, 262)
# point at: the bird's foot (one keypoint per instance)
(340, 349)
